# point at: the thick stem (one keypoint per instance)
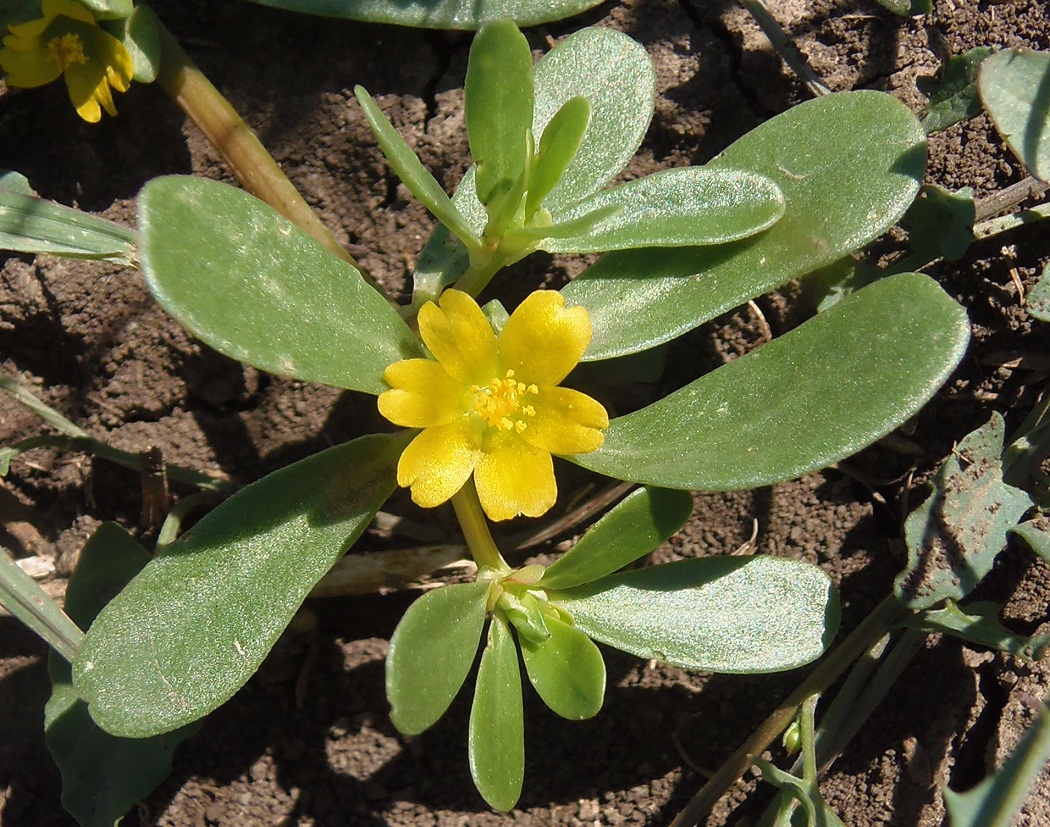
(254, 167)
(873, 627)
(476, 529)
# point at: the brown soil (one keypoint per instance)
(91, 342)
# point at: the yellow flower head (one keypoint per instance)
(68, 42)
(490, 405)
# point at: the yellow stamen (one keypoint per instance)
(66, 50)
(498, 403)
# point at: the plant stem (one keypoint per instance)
(476, 529)
(254, 167)
(477, 277)
(871, 629)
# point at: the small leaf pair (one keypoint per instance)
(522, 197)
(728, 614)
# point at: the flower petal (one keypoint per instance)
(30, 68)
(439, 461)
(83, 82)
(514, 478)
(114, 56)
(460, 337)
(543, 340)
(566, 422)
(422, 395)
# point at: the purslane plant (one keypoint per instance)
(481, 392)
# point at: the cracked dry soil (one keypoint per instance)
(308, 741)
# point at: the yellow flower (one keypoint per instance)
(490, 405)
(68, 42)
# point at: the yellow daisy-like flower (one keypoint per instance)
(67, 42)
(491, 405)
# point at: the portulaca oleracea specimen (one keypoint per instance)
(480, 394)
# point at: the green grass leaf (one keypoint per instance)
(33, 225)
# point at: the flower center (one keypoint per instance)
(66, 49)
(499, 403)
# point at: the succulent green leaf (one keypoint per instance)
(566, 670)
(979, 623)
(438, 14)
(940, 223)
(558, 145)
(23, 597)
(719, 614)
(12, 181)
(1036, 534)
(843, 187)
(102, 775)
(431, 652)
(255, 287)
(817, 394)
(1015, 88)
(954, 537)
(1038, 299)
(413, 174)
(615, 75)
(998, 799)
(33, 225)
(109, 9)
(636, 526)
(141, 37)
(196, 623)
(953, 95)
(498, 106)
(674, 208)
(496, 734)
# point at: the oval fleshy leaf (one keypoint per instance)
(1015, 89)
(496, 734)
(843, 187)
(615, 74)
(196, 623)
(438, 14)
(719, 614)
(817, 394)
(566, 670)
(674, 208)
(498, 106)
(255, 287)
(431, 652)
(558, 146)
(102, 775)
(636, 526)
